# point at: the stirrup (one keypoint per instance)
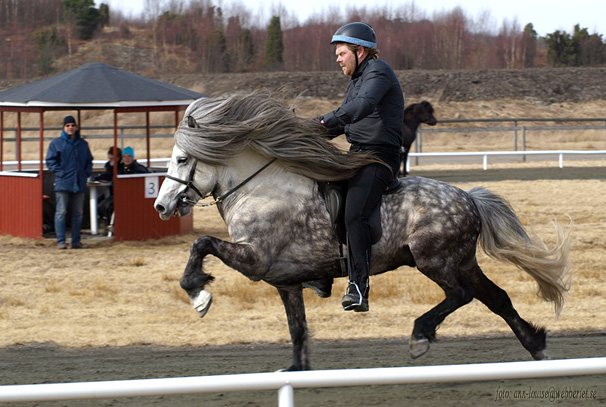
(354, 301)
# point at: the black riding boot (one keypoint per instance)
(358, 287)
(356, 296)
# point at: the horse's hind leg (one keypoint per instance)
(497, 300)
(297, 325)
(458, 293)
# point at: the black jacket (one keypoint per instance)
(107, 174)
(133, 168)
(373, 109)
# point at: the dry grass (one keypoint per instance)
(124, 293)
(128, 292)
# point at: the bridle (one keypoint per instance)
(190, 184)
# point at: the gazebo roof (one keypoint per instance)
(96, 85)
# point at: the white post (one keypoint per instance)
(485, 161)
(286, 396)
(94, 226)
(561, 156)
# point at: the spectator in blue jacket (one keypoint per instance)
(70, 159)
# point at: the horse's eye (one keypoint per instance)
(182, 160)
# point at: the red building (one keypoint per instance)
(93, 86)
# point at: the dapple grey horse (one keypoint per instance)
(261, 163)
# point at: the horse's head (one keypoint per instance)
(187, 181)
(421, 112)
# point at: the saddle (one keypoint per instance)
(334, 197)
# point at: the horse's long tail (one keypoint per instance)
(503, 237)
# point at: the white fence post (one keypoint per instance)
(286, 396)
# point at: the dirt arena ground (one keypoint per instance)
(46, 363)
(66, 345)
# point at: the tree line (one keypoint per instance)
(205, 38)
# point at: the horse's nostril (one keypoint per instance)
(160, 208)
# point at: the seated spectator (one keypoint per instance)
(105, 207)
(129, 165)
(108, 174)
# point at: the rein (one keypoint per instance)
(190, 184)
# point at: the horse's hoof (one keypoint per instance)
(418, 347)
(295, 368)
(540, 355)
(201, 302)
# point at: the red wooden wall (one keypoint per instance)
(21, 206)
(135, 216)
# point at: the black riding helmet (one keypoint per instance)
(357, 34)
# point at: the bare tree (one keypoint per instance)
(153, 9)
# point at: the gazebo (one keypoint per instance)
(93, 86)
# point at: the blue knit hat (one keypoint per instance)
(129, 150)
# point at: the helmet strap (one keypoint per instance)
(356, 55)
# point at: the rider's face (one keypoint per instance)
(346, 58)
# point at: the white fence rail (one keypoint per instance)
(486, 154)
(286, 382)
(163, 162)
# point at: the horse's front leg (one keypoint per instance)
(295, 313)
(238, 256)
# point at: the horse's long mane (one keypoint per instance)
(228, 125)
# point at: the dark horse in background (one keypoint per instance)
(414, 115)
(262, 165)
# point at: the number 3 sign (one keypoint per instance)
(152, 186)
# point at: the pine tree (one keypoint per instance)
(245, 50)
(274, 47)
(84, 15)
(560, 50)
(529, 46)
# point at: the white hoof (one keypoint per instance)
(201, 302)
(418, 347)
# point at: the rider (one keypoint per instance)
(371, 118)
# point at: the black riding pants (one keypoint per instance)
(364, 192)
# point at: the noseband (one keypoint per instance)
(190, 184)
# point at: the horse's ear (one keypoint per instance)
(192, 123)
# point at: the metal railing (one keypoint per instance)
(122, 134)
(286, 382)
(9, 166)
(485, 154)
(519, 132)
